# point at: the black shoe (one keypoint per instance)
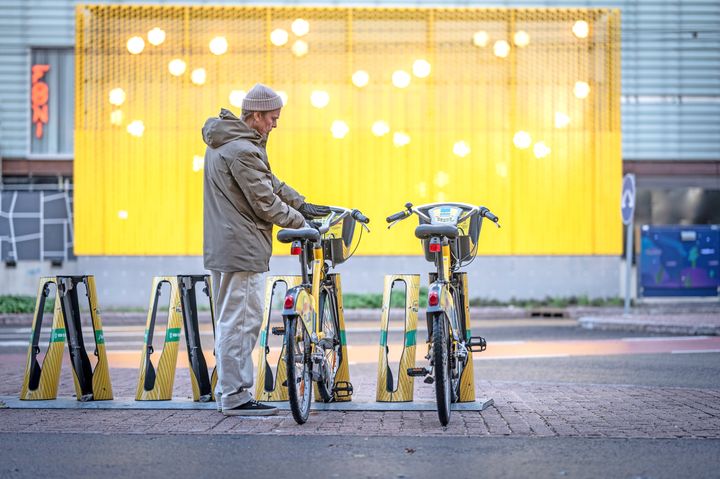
(251, 408)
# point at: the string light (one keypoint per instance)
(117, 96)
(521, 39)
(279, 37)
(339, 129)
(421, 68)
(380, 128)
(177, 67)
(198, 76)
(481, 39)
(401, 139)
(522, 139)
(501, 49)
(300, 27)
(541, 150)
(461, 149)
(300, 48)
(236, 98)
(581, 90)
(561, 120)
(218, 45)
(581, 29)
(360, 78)
(156, 36)
(135, 45)
(401, 78)
(319, 98)
(136, 128)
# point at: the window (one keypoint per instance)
(52, 101)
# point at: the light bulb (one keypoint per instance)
(198, 163)
(541, 150)
(198, 76)
(117, 96)
(236, 97)
(339, 129)
(581, 89)
(300, 48)
(319, 98)
(283, 96)
(561, 120)
(581, 29)
(461, 149)
(401, 139)
(300, 27)
(279, 37)
(177, 67)
(156, 36)
(401, 78)
(501, 48)
(116, 117)
(421, 68)
(218, 45)
(481, 39)
(135, 45)
(360, 78)
(521, 39)
(522, 139)
(136, 128)
(380, 128)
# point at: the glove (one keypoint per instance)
(310, 211)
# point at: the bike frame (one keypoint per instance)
(305, 304)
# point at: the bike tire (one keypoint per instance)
(440, 344)
(329, 324)
(299, 380)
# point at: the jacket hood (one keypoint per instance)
(226, 128)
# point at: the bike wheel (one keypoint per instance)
(440, 344)
(297, 365)
(330, 344)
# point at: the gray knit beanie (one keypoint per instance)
(261, 98)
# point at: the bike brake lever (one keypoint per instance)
(366, 227)
(393, 223)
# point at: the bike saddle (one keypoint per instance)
(288, 235)
(428, 231)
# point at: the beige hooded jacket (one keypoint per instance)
(242, 198)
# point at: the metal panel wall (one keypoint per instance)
(480, 126)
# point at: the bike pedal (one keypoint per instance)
(429, 380)
(417, 372)
(476, 344)
(278, 330)
(343, 389)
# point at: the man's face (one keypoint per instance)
(266, 121)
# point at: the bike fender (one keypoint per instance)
(304, 306)
(446, 300)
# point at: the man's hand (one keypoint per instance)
(314, 224)
(310, 211)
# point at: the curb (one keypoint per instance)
(654, 325)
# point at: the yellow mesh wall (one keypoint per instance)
(143, 194)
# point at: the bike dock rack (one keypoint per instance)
(156, 383)
(402, 390)
(268, 386)
(41, 381)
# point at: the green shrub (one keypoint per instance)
(10, 304)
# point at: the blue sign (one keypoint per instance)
(680, 260)
(627, 199)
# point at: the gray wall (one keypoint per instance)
(126, 281)
(670, 65)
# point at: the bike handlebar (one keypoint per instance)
(398, 216)
(360, 217)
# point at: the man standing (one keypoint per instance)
(242, 202)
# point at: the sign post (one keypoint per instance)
(627, 210)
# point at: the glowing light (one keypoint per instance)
(421, 68)
(236, 97)
(177, 67)
(136, 45)
(279, 37)
(319, 98)
(300, 48)
(117, 96)
(561, 120)
(283, 96)
(440, 197)
(501, 48)
(522, 139)
(116, 117)
(123, 214)
(360, 78)
(380, 128)
(422, 189)
(218, 45)
(401, 139)
(501, 170)
(136, 128)
(441, 179)
(521, 39)
(339, 129)
(300, 27)
(461, 149)
(581, 89)
(156, 36)
(481, 39)
(581, 29)
(198, 163)
(198, 76)
(541, 150)
(401, 78)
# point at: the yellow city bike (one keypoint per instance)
(449, 234)
(314, 342)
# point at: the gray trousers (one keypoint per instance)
(238, 315)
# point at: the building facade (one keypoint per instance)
(670, 124)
